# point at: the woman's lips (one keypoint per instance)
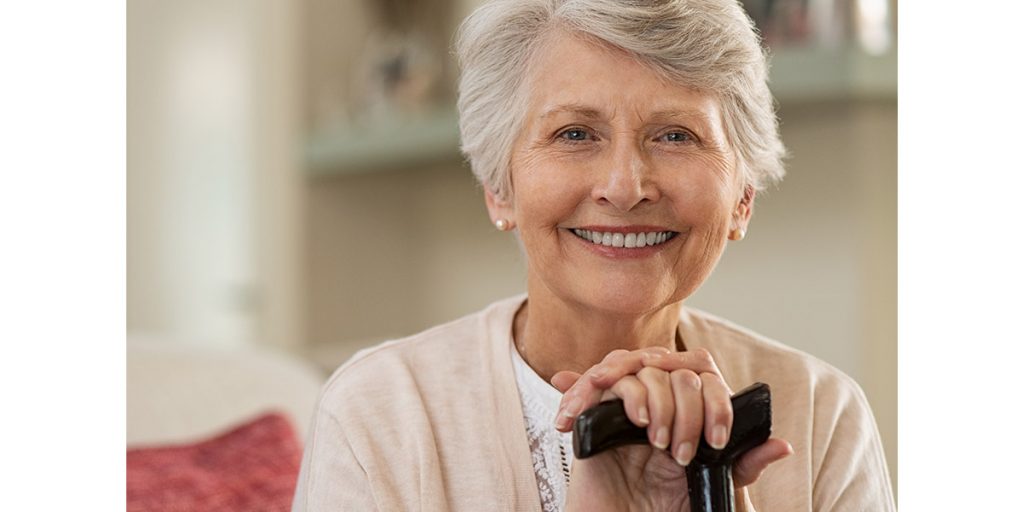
(628, 239)
(624, 242)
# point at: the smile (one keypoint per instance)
(627, 240)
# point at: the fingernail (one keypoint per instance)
(719, 437)
(644, 419)
(661, 438)
(598, 373)
(683, 454)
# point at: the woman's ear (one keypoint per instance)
(744, 209)
(500, 209)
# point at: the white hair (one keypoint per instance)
(708, 45)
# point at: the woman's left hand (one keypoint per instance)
(684, 393)
(648, 377)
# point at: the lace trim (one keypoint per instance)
(547, 445)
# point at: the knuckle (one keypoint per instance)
(615, 354)
(648, 372)
(685, 379)
(568, 398)
(655, 376)
(630, 391)
(639, 392)
(703, 357)
(577, 386)
(746, 473)
(721, 411)
(712, 379)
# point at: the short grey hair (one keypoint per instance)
(708, 45)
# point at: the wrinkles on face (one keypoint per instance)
(607, 142)
(631, 142)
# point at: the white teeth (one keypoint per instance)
(628, 240)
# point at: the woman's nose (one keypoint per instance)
(625, 179)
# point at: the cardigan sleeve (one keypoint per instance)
(850, 473)
(331, 478)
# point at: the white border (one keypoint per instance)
(62, 263)
(960, 258)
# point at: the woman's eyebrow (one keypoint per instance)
(688, 114)
(589, 112)
(572, 108)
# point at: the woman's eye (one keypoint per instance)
(574, 134)
(677, 137)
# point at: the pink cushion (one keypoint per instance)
(253, 468)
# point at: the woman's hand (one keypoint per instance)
(675, 395)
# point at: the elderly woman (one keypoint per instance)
(624, 143)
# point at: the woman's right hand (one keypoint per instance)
(675, 395)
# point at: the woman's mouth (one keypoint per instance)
(626, 240)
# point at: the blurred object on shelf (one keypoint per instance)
(383, 86)
(823, 50)
(398, 75)
(798, 22)
(872, 26)
(823, 23)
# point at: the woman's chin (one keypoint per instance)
(627, 301)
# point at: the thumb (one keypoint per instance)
(749, 467)
(564, 380)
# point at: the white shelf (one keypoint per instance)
(386, 143)
(815, 73)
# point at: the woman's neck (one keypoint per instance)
(552, 336)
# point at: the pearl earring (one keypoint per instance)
(502, 225)
(737, 234)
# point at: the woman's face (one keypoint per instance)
(611, 151)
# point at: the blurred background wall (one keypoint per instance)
(294, 182)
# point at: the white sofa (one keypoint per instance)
(181, 393)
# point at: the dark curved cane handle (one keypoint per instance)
(709, 475)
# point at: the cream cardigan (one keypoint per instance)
(434, 422)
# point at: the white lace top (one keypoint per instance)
(551, 449)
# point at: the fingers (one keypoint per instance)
(615, 366)
(661, 405)
(629, 388)
(717, 410)
(586, 392)
(689, 421)
(750, 466)
(697, 360)
(634, 397)
(583, 392)
(564, 380)
(580, 397)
